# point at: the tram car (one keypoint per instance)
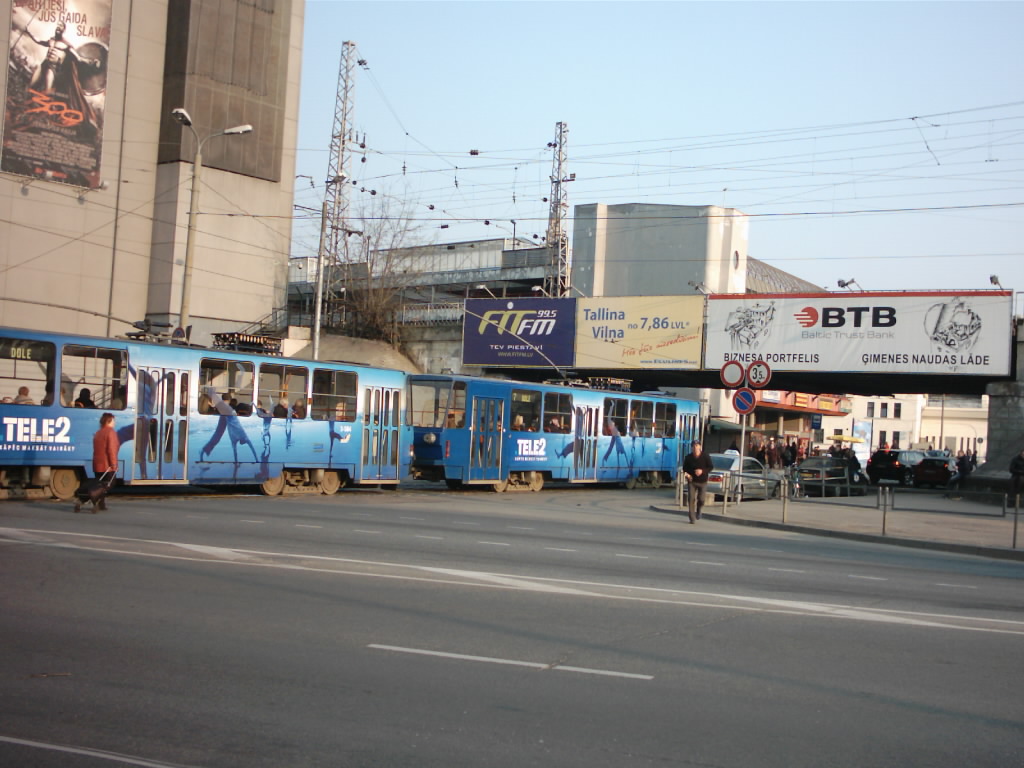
(514, 435)
(193, 416)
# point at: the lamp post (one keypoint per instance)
(182, 117)
(318, 307)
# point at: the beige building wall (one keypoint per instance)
(94, 261)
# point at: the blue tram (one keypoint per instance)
(187, 415)
(509, 434)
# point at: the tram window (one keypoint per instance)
(664, 419)
(558, 412)
(525, 410)
(183, 396)
(334, 395)
(280, 387)
(437, 403)
(93, 377)
(231, 379)
(615, 412)
(169, 391)
(641, 418)
(26, 364)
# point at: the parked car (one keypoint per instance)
(829, 476)
(757, 481)
(934, 471)
(894, 465)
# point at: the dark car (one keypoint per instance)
(828, 476)
(934, 471)
(894, 465)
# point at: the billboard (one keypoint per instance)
(519, 332)
(926, 332)
(646, 332)
(56, 90)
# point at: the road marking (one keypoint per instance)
(412, 518)
(510, 662)
(705, 562)
(254, 522)
(410, 572)
(786, 570)
(956, 586)
(865, 578)
(520, 528)
(559, 549)
(462, 522)
(494, 543)
(635, 557)
(439, 538)
(97, 753)
(301, 525)
(360, 530)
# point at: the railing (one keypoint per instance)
(432, 314)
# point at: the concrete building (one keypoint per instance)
(97, 212)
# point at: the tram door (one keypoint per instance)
(381, 429)
(588, 427)
(161, 426)
(485, 439)
(686, 433)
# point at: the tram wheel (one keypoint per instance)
(501, 486)
(536, 481)
(274, 486)
(331, 483)
(630, 483)
(64, 483)
(655, 479)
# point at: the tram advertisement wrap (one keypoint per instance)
(639, 332)
(940, 332)
(519, 332)
(56, 90)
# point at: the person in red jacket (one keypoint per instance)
(105, 446)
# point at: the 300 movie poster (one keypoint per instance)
(56, 88)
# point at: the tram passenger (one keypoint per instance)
(299, 409)
(84, 399)
(554, 424)
(23, 397)
(281, 409)
(518, 425)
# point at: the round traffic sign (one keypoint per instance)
(744, 400)
(758, 374)
(732, 374)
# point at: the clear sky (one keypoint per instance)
(875, 141)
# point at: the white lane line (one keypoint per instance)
(437, 538)
(97, 753)
(520, 528)
(559, 549)
(955, 586)
(786, 570)
(865, 578)
(254, 522)
(412, 518)
(635, 557)
(510, 662)
(705, 562)
(302, 525)
(463, 522)
(361, 530)
(495, 543)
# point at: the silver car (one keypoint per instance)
(755, 481)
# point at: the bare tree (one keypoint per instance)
(376, 262)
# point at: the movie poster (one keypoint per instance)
(56, 90)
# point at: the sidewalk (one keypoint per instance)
(971, 525)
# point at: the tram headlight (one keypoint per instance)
(430, 438)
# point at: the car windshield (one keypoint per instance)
(721, 461)
(815, 462)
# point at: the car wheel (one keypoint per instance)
(908, 477)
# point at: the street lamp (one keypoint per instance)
(182, 117)
(540, 289)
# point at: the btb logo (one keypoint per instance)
(837, 317)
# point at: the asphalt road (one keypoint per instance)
(430, 628)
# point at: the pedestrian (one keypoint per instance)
(696, 468)
(105, 446)
(963, 469)
(1016, 475)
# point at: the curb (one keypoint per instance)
(997, 553)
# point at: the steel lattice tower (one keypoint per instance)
(338, 173)
(558, 277)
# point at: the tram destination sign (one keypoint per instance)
(519, 332)
(920, 332)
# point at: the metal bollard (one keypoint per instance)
(1016, 517)
(785, 497)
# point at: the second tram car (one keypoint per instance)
(187, 415)
(509, 434)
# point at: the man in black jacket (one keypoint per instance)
(696, 468)
(1016, 474)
